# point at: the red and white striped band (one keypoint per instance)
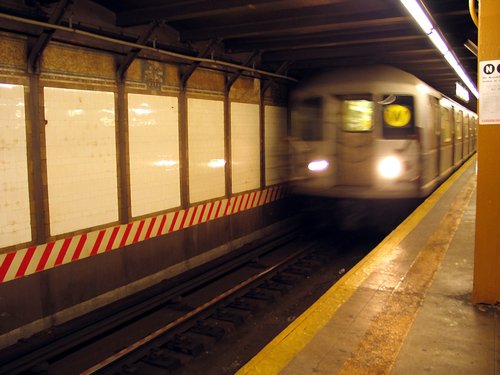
(38, 258)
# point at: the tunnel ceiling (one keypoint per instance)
(290, 37)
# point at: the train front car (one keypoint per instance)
(359, 133)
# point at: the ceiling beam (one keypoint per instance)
(46, 35)
(331, 39)
(295, 26)
(347, 51)
(179, 11)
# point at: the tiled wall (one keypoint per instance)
(15, 226)
(245, 146)
(81, 159)
(206, 149)
(154, 153)
(86, 153)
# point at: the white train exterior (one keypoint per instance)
(375, 133)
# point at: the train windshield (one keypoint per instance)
(357, 115)
(306, 119)
(398, 116)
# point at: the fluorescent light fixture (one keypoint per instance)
(438, 41)
(419, 14)
(461, 92)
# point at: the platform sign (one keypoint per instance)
(489, 86)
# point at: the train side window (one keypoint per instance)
(357, 114)
(307, 119)
(445, 125)
(458, 124)
(398, 116)
(466, 126)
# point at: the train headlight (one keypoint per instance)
(318, 165)
(390, 167)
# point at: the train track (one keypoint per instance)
(181, 320)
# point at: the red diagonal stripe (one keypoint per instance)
(112, 238)
(201, 214)
(258, 199)
(25, 262)
(79, 247)
(193, 216)
(241, 202)
(45, 257)
(6, 265)
(184, 217)
(63, 251)
(174, 220)
(139, 230)
(150, 228)
(227, 206)
(125, 235)
(162, 224)
(97, 243)
(250, 199)
(265, 197)
(210, 210)
(218, 209)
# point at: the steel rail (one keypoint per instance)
(191, 314)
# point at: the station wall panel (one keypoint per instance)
(12, 52)
(206, 149)
(81, 159)
(77, 61)
(154, 153)
(275, 144)
(245, 147)
(15, 225)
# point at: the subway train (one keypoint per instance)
(374, 134)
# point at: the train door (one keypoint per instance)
(458, 156)
(354, 139)
(466, 136)
(446, 144)
(435, 139)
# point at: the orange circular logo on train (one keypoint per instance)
(397, 115)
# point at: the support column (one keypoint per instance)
(487, 253)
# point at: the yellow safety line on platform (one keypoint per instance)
(280, 351)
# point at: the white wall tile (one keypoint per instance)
(154, 153)
(206, 149)
(275, 144)
(81, 158)
(15, 224)
(245, 147)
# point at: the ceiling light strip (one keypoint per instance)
(420, 15)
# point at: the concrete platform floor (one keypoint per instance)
(405, 309)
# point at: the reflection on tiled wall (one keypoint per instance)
(154, 153)
(245, 146)
(275, 141)
(206, 149)
(81, 159)
(14, 198)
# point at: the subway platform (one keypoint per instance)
(405, 308)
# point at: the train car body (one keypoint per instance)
(375, 133)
